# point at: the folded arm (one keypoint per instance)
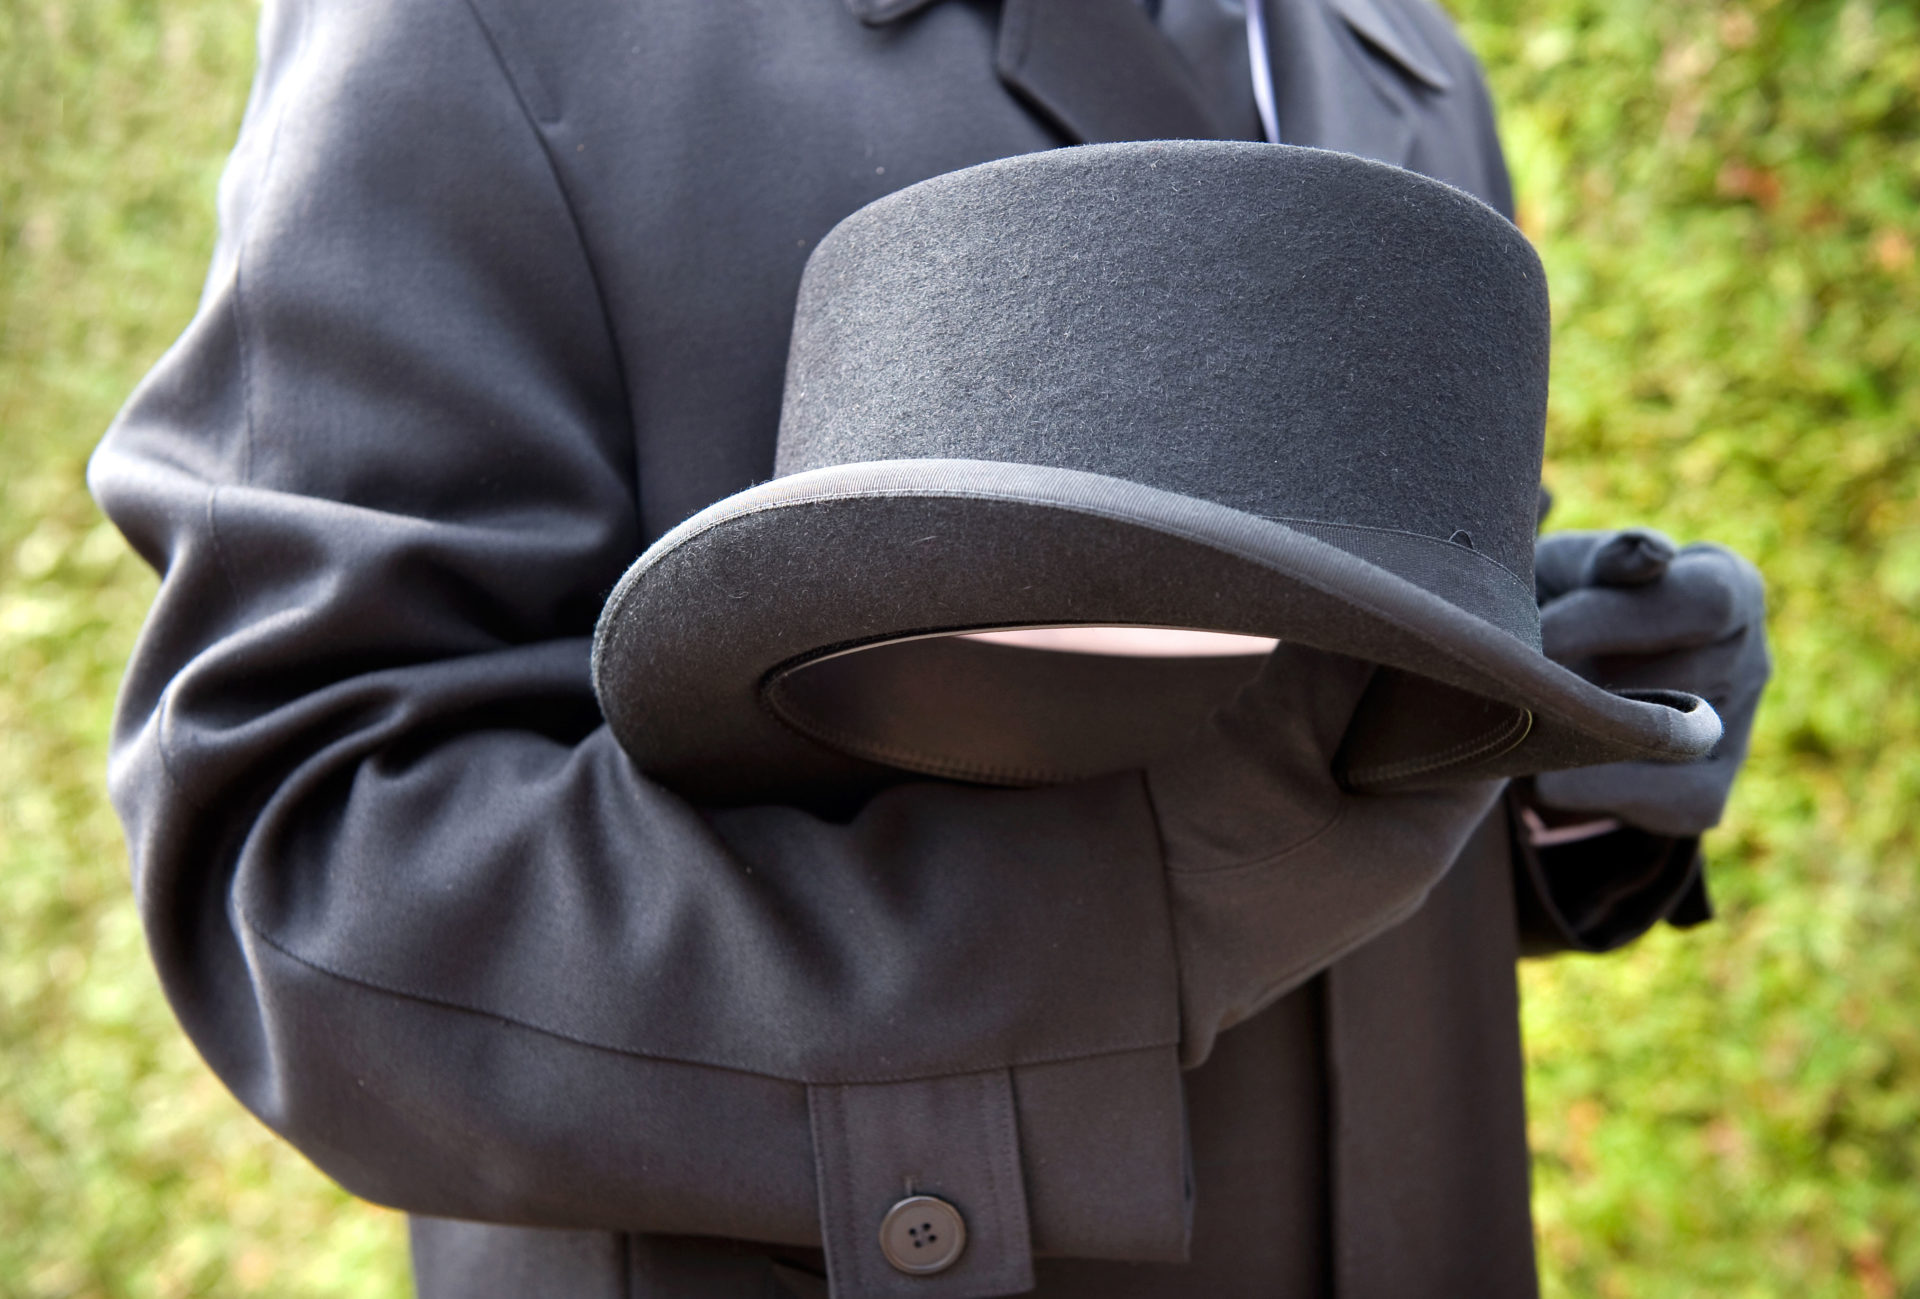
(406, 894)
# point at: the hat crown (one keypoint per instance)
(1294, 333)
(1232, 387)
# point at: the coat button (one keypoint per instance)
(922, 1235)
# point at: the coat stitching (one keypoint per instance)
(376, 985)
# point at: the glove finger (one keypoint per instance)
(1730, 674)
(1560, 559)
(1676, 799)
(1748, 589)
(1567, 561)
(1706, 595)
(1663, 798)
(1630, 557)
(1710, 671)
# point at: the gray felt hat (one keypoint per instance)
(1234, 387)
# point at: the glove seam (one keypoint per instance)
(1264, 860)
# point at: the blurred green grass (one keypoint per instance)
(1727, 196)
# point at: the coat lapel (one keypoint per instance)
(1345, 73)
(1335, 90)
(1100, 71)
(876, 13)
(1097, 70)
(1396, 38)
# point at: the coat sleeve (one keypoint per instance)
(405, 893)
(1601, 893)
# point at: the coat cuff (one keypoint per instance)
(1601, 893)
(877, 1145)
(1022, 1156)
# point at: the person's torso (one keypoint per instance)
(704, 149)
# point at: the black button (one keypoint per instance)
(922, 1235)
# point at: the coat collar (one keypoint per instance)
(878, 12)
(1099, 71)
(1338, 86)
(1397, 39)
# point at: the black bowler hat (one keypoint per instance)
(1233, 387)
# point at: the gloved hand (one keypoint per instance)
(1628, 609)
(1273, 870)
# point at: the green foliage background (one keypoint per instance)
(1727, 195)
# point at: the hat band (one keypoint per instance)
(1452, 570)
(1464, 577)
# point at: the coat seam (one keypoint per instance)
(243, 356)
(163, 707)
(826, 1124)
(1066, 1057)
(241, 318)
(844, 1163)
(996, 1101)
(532, 121)
(1503, 737)
(162, 745)
(1265, 859)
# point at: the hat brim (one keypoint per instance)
(722, 658)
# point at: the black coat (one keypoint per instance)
(502, 293)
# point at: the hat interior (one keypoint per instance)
(1044, 705)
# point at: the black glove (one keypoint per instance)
(1273, 870)
(1628, 609)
